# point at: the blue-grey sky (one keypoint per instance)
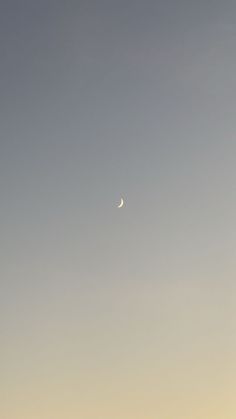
(103, 99)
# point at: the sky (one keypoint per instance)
(105, 312)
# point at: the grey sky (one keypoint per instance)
(106, 99)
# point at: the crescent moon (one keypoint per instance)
(121, 203)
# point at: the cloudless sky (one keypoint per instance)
(105, 312)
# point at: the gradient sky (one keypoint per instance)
(107, 313)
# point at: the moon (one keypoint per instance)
(121, 203)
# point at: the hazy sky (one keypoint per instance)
(107, 313)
